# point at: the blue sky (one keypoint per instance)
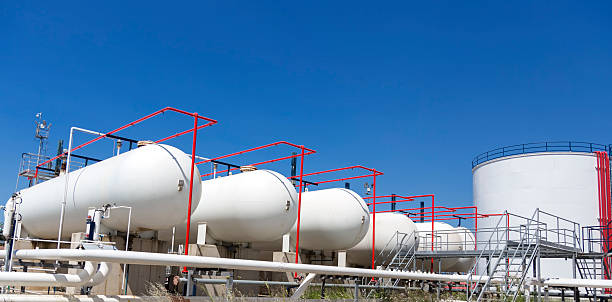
(415, 90)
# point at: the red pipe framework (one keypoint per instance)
(195, 128)
(373, 175)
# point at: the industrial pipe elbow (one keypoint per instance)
(104, 269)
(45, 280)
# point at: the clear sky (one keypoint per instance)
(414, 89)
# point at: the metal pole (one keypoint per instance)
(293, 167)
(63, 206)
(422, 211)
(127, 242)
(229, 285)
(189, 290)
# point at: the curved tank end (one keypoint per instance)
(332, 220)
(153, 180)
(388, 226)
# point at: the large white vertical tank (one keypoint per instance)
(562, 183)
(387, 225)
(332, 219)
(153, 180)
(259, 205)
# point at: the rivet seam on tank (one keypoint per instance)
(287, 206)
(181, 184)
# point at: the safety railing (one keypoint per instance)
(558, 146)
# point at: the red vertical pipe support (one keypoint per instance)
(193, 150)
(607, 184)
(476, 228)
(374, 220)
(606, 189)
(432, 230)
(598, 171)
(297, 237)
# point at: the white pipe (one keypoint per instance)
(67, 298)
(239, 264)
(45, 280)
(103, 270)
(566, 282)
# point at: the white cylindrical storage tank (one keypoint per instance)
(251, 206)
(332, 219)
(387, 225)
(153, 180)
(445, 238)
(467, 243)
(561, 183)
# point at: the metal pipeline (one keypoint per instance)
(45, 280)
(143, 258)
(590, 283)
(103, 270)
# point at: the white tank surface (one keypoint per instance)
(152, 179)
(332, 219)
(561, 183)
(468, 243)
(251, 206)
(387, 225)
(445, 238)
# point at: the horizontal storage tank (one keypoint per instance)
(332, 220)
(259, 205)
(387, 226)
(152, 179)
(445, 238)
(561, 183)
(468, 243)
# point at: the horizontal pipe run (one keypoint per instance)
(566, 282)
(45, 280)
(287, 283)
(143, 258)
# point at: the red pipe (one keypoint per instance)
(297, 239)
(261, 163)
(374, 220)
(254, 149)
(210, 123)
(193, 147)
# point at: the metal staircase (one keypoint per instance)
(590, 269)
(507, 266)
(397, 255)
